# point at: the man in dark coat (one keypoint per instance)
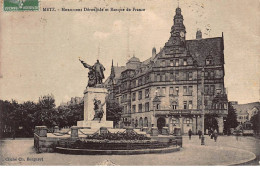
(190, 133)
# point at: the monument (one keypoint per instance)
(95, 97)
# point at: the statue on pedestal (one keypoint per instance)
(95, 74)
(98, 108)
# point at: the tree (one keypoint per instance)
(46, 113)
(255, 120)
(114, 112)
(231, 120)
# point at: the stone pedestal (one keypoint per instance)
(165, 131)
(103, 130)
(41, 131)
(220, 125)
(74, 131)
(56, 129)
(90, 94)
(145, 129)
(154, 131)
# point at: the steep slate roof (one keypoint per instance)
(242, 109)
(118, 70)
(200, 49)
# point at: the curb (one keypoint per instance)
(116, 152)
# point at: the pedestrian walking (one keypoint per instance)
(215, 135)
(237, 134)
(200, 133)
(190, 133)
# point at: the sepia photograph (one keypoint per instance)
(130, 83)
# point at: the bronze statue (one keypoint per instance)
(95, 74)
(98, 108)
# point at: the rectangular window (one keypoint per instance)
(190, 90)
(140, 108)
(134, 96)
(211, 75)
(190, 104)
(134, 108)
(163, 91)
(212, 89)
(186, 75)
(158, 77)
(174, 105)
(206, 90)
(163, 77)
(175, 121)
(158, 91)
(171, 62)
(139, 81)
(176, 91)
(176, 76)
(184, 62)
(171, 91)
(177, 62)
(190, 75)
(185, 105)
(208, 61)
(147, 78)
(147, 92)
(139, 95)
(163, 63)
(147, 107)
(206, 75)
(185, 91)
(171, 76)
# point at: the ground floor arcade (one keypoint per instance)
(184, 122)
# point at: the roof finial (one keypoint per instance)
(178, 3)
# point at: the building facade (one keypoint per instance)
(246, 111)
(166, 89)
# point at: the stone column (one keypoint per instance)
(194, 131)
(41, 131)
(170, 126)
(220, 125)
(181, 124)
(154, 131)
(74, 131)
(56, 129)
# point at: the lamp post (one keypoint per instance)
(203, 108)
(153, 115)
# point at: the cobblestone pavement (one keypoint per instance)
(227, 150)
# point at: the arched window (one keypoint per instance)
(145, 122)
(141, 122)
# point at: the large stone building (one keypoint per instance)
(246, 111)
(166, 89)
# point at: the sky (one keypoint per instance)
(40, 50)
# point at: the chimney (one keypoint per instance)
(153, 52)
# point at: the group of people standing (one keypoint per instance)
(212, 134)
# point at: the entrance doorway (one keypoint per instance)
(160, 123)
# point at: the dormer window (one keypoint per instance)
(208, 61)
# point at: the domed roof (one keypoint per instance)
(134, 59)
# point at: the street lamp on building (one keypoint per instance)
(203, 107)
(156, 101)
